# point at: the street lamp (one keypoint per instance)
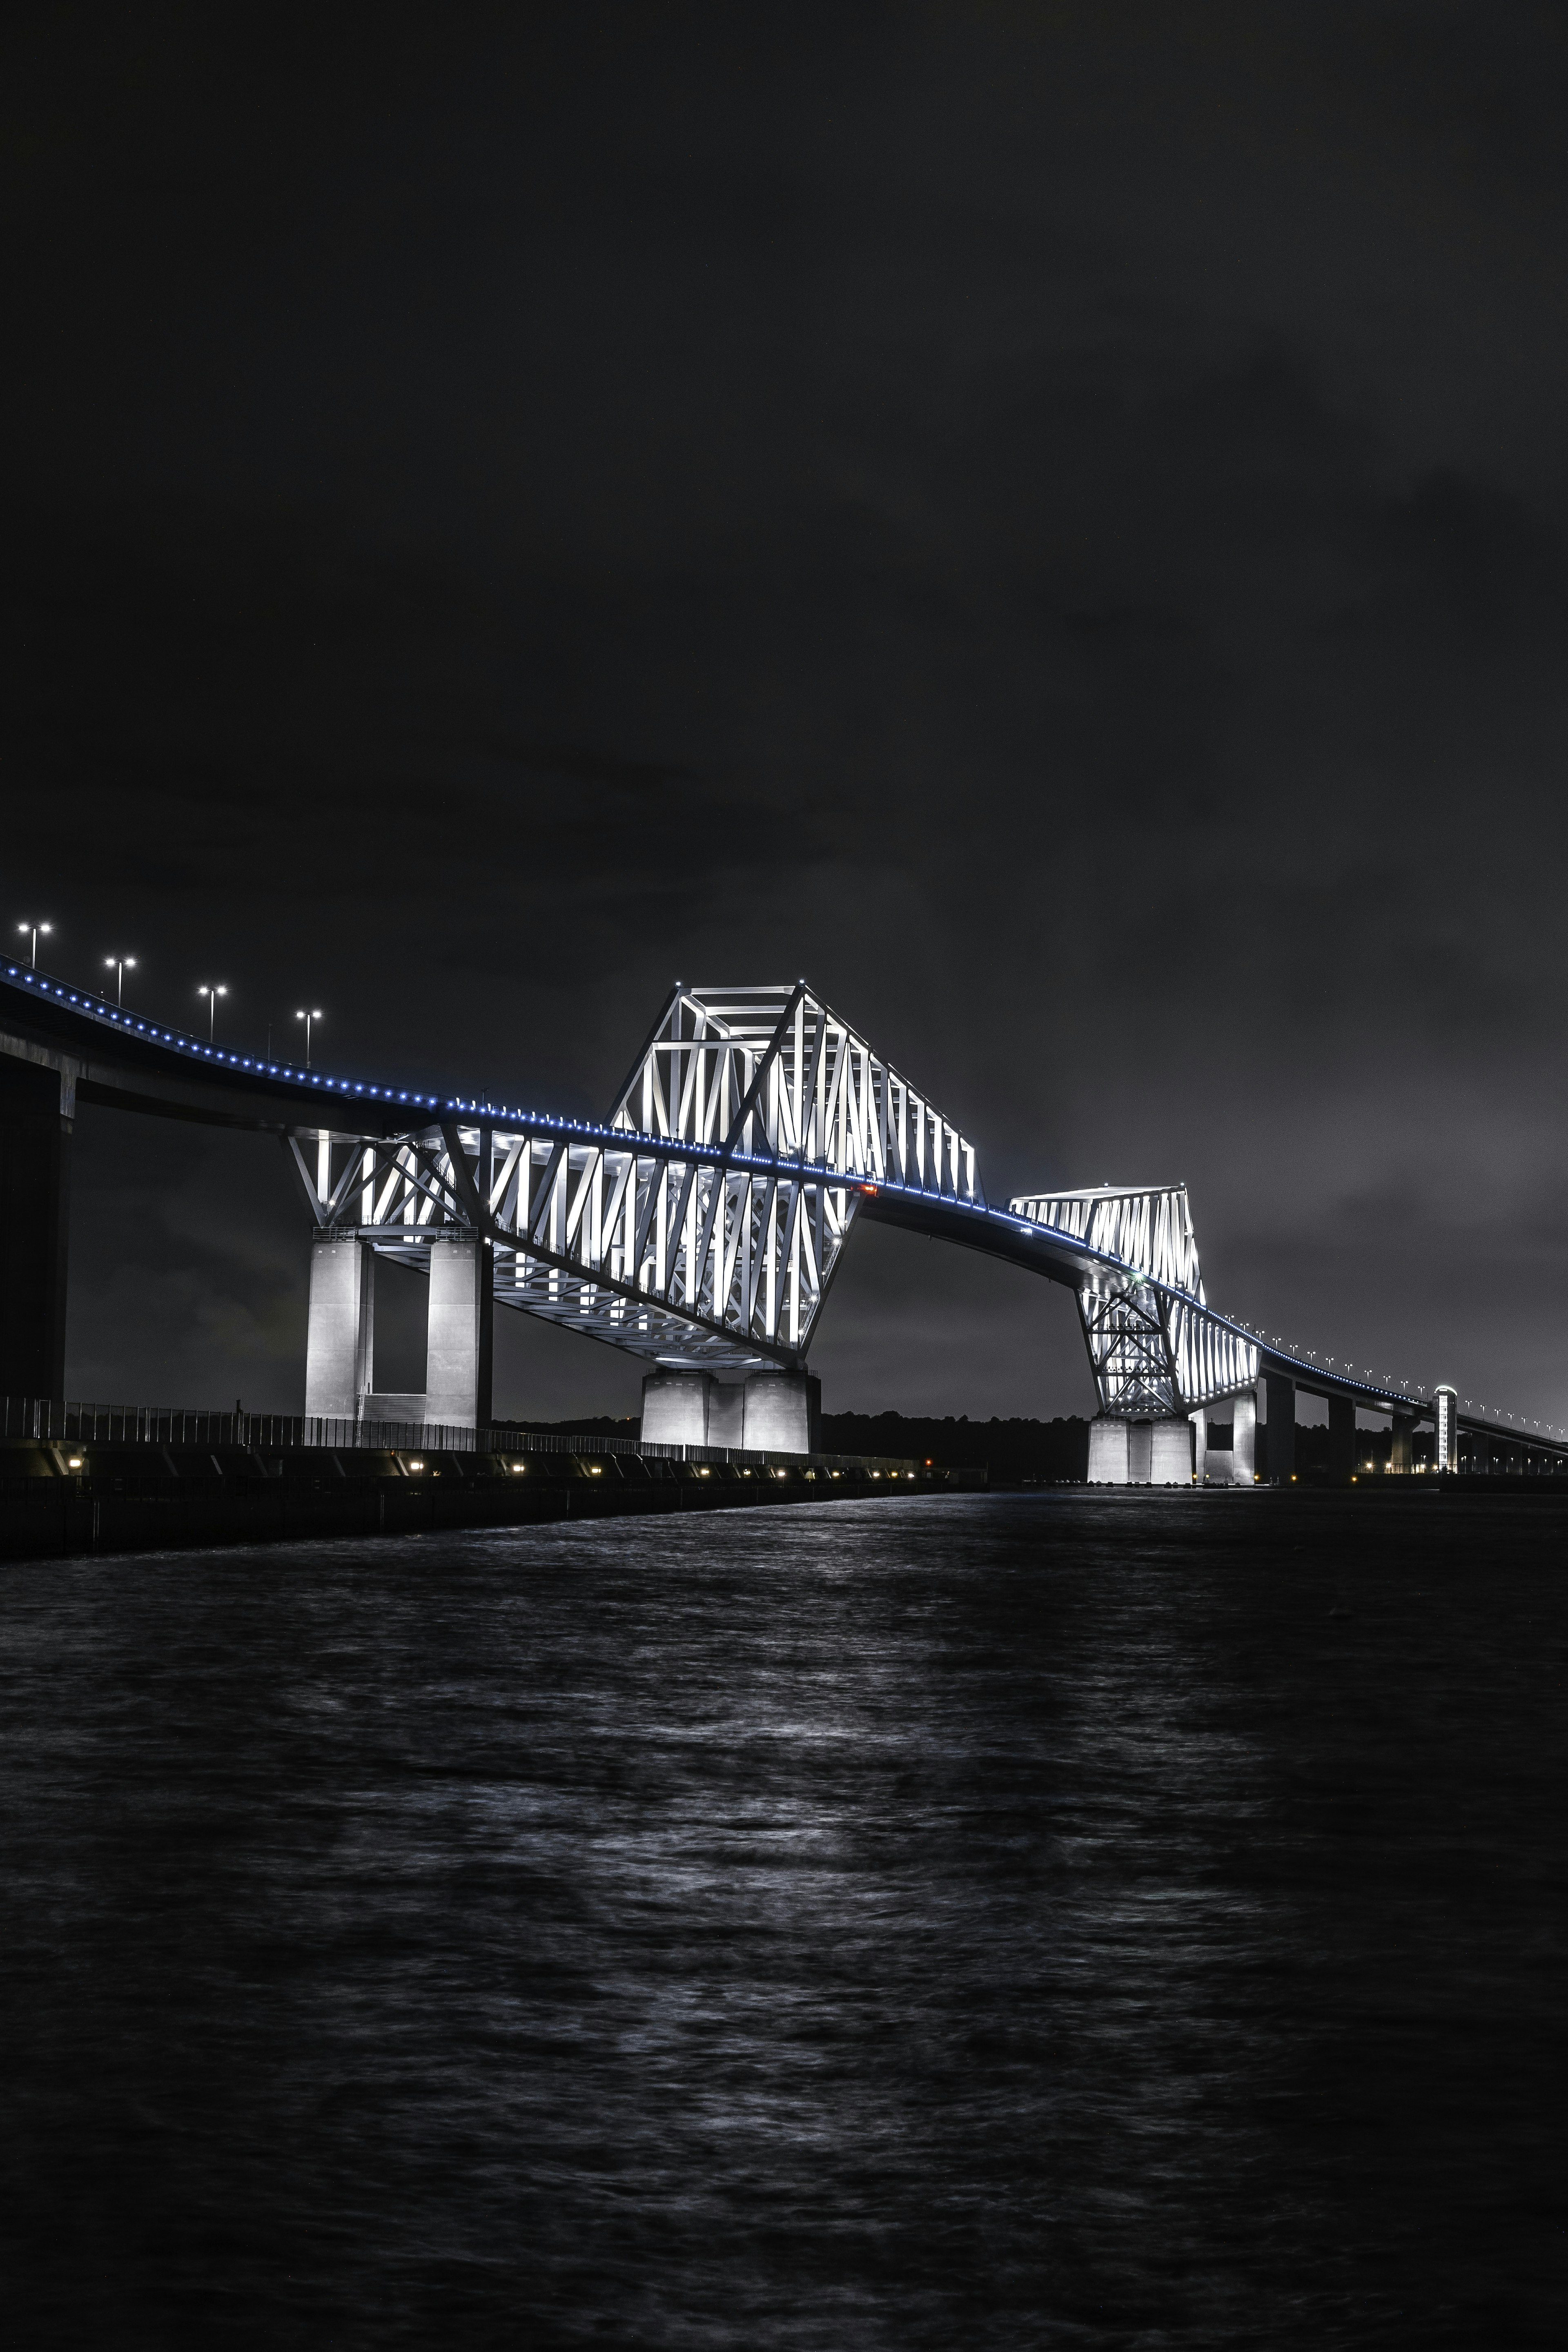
(35, 927)
(119, 965)
(211, 995)
(307, 1018)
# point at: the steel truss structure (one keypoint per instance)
(1155, 1349)
(702, 1226)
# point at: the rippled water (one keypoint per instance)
(1059, 1920)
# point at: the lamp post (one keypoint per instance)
(211, 995)
(309, 1019)
(119, 965)
(35, 927)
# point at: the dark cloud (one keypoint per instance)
(1050, 522)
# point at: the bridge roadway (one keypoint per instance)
(62, 1045)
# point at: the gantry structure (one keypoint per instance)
(698, 1226)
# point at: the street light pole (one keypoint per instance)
(211, 995)
(35, 927)
(307, 1018)
(120, 966)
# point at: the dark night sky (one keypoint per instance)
(1049, 522)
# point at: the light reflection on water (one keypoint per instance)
(982, 1920)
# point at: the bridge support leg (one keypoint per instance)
(340, 1333)
(675, 1409)
(459, 1348)
(784, 1412)
(775, 1412)
(1244, 1438)
(1281, 1393)
(1402, 1453)
(1342, 1441)
(1171, 1453)
(1200, 1427)
(1107, 1451)
(36, 1115)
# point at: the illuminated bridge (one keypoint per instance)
(698, 1227)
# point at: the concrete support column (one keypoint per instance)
(37, 1109)
(459, 1348)
(1402, 1453)
(1107, 1451)
(1140, 1452)
(773, 1413)
(784, 1412)
(1171, 1453)
(1342, 1441)
(1244, 1438)
(1200, 1427)
(1280, 1392)
(341, 1331)
(675, 1409)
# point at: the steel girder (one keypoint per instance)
(1154, 1347)
(702, 1226)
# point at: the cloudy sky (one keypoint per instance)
(1049, 520)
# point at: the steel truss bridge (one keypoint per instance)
(700, 1226)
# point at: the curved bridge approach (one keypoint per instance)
(698, 1227)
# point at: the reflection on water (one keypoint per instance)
(1064, 1920)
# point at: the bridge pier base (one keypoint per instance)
(1281, 1393)
(1171, 1453)
(770, 1412)
(340, 1345)
(37, 1105)
(1107, 1451)
(339, 1334)
(1139, 1453)
(1402, 1451)
(1342, 1441)
(460, 1342)
(1244, 1438)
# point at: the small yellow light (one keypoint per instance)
(594, 1471)
(74, 1462)
(705, 1474)
(416, 1466)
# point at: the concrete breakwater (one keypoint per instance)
(60, 1499)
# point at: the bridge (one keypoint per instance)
(698, 1227)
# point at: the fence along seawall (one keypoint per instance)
(81, 1477)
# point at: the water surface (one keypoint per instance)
(980, 1921)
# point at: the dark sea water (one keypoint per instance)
(1065, 1920)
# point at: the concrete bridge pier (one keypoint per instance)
(37, 1113)
(339, 1346)
(1244, 1438)
(1140, 1453)
(1402, 1451)
(765, 1413)
(340, 1332)
(1342, 1441)
(1280, 1394)
(459, 1347)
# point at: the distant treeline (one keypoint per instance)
(1010, 1450)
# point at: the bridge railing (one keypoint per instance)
(50, 1423)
